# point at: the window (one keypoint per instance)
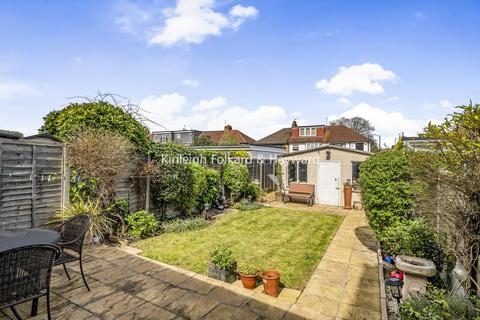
(309, 132)
(292, 171)
(297, 171)
(302, 171)
(295, 147)
(356, 174)
(359, 146)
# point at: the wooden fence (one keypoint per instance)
(31, 181)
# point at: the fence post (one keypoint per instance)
(147, 189)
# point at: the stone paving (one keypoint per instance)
(126, 286)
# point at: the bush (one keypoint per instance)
(387, 189)
(235, 178)
(252, 191)
(246, 205)
(436, 304)
(222, 258)
(413, 238)
(101, 225)
(141, 224)
(199, 185)
(101, 115)
(182, 225)
(212, 189)
(118, 211)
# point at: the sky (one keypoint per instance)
(256, 65)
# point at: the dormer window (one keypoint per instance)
(308, 132)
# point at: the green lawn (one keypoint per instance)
(290, 241)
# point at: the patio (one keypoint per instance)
(127, 286)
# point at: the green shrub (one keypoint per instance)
(101, 225)
(199, 185)
(182, 225)
(246, 205)
(141, 224)
(437, 305)
(212, 189)
(235, 178)
(387, 188)
(222, 257)
(252, 191)
(413, 238)
(248, 269)
(65, 123)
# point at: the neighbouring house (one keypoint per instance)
(227, 136)
(300, 138)
(184, 137)
(327, 167)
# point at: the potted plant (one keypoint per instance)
(222, 265)
(271, 282)
(347, 195)
(248, 275)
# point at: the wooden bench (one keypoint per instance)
(300, 191)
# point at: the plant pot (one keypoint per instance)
(221, 274)
(278, 196)
(347, 196)
(271, 282)
(249, 281)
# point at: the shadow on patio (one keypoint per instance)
(126, 286)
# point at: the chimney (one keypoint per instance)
(294, 129)
(227, 129)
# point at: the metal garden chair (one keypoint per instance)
(72, 234)
(25, 275)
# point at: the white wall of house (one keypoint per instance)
(346, 159)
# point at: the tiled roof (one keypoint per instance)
(217, 135)
(279, 137)
(334, 134)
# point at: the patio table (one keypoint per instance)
(14, 239)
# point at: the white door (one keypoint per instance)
(328, 183)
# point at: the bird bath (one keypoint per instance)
(416, 270)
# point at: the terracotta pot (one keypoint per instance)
(271, 282)
(347, 196)
(249, 281)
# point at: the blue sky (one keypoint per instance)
(254, 64)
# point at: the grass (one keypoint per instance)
(290, 241)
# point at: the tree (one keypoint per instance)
(358, 124)
(77, 117)
(456, 177)
(203, 141)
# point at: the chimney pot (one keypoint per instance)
(228, 128)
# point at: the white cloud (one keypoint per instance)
(388, 124)
(10, 88)
(214, 103)
(362, 78)
(256, 123)
(392, 99)
(77, 59)
(191, 21)
(344, 100)
(240, 14)
(191, 83)
(164, 108)
(445, 103)
(132, 18)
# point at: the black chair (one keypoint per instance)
(25, 275)
(72, 234)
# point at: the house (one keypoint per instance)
(227, 136)
(300, 138)
(327, 167)
(184, 137)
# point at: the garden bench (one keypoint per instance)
(300, 191)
